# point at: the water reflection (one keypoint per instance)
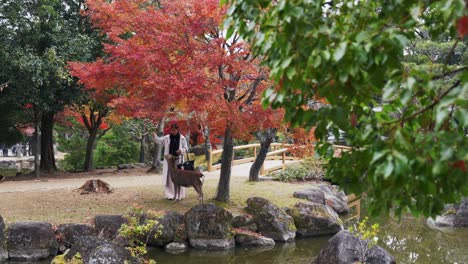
(412, 241)
(300, 251)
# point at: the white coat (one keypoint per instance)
(183, 147)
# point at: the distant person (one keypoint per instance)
(4, 150)
(176, 145)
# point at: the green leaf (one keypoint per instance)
(291, 72)
(286, 62)
(325, 54)
(378, 155)
(230, 31)
(441, 115)
(340, 51)
(388, 169)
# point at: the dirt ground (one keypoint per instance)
(55, 198)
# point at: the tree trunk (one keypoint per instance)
(36, 144)
(142, 149)
(222, 193)
(90, 146)
(156, 165)
(265, 141)
(47, 143)
(207, 143)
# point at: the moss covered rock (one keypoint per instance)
(272, 221)
(3, 251)
(313, 219)
(209, 227)
(169, 225)
(31, 241)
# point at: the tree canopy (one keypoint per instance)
(404, 118)
(37, 38)
(174, 54)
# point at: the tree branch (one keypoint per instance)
(450, 73)
(451, 51)
(431, 105)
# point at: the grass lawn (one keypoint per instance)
(68, 206)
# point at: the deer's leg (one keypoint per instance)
(198, 189)
(178, 192)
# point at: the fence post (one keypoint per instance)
(284, 159)
(210, 161)
(254, 152)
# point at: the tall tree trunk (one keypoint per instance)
(222, 193)
(36, 144)
(207, 143)
(47, 143)
(266, 139)
(142, 149)
(90, 146)
(156, 165)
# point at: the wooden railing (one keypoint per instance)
(354, 201)
(278, 152)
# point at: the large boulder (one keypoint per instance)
(168, 225)
(326, 194)
(455, 215)
(108, 252)
(344, 248)
(31, 241)
(67, 234)
(272, 221)
(461, 217)
(97, 250)
(209, 227)
(83, 245)
(314, 195)
(3, 251)
(107, 226)
(314, 219)
(244, 221)
(246, 239)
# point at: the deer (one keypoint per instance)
(184, 178)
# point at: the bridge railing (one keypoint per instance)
(279, 151)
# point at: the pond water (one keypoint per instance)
(410, 241)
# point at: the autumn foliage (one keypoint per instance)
(174, 54)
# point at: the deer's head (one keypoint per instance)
(170, 158)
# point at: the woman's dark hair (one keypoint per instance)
(175, 126)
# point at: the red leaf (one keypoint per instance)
(462, 26)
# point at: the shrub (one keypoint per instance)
(140, 228)
(308, 169)
(114, 148)
(75, 147)
(363, 230)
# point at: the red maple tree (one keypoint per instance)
(175, 54)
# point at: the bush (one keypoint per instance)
(141, 227)
(75, 147)
(308, 169)
(114, 148)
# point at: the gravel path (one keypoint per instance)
(115, 181)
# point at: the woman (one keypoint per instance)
(176, 145)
